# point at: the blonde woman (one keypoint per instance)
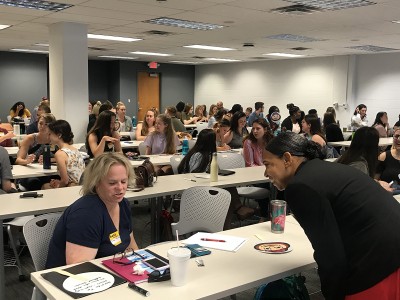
(199, 113)
(124, 121)
(147, 126)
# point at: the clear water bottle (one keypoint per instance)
(46, 157)
(185, 146)
(134, 121)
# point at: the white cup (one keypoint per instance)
(16, 129)
(178, 263)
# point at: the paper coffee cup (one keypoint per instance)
(178, 263)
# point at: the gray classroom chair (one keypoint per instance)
(38, 233)
(142, 148)
(175, 160)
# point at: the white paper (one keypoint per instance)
(96, 282)
(232, 243)
(201, 175)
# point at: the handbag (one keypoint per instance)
(145, 174)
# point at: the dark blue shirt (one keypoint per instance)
(87, 223)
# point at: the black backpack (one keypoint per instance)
(288, 288)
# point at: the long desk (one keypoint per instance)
(32, 170)
(12, 151)
(56, 200)
(382, 142)
(225, 273)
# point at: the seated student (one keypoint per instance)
(177, 125)
(363, 153)
(397, 124)
(5, 173)
(351, 222)
(103, 137)
(42, 109)
(234, 137)
(99, 223)
(107, 105)
(187, 115)
(199, 113)
(18, 110)
(31, 150)
(217, 117)
(5, 137)
(212, 112)
(70, 163)
(162, 141)
(125, 122)
(198, 160)
(220, 129)
(253, 147)
(332, 130)
(311, 126)
(291, 123)
(144, 128)
(359, 118)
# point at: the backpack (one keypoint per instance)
(145, 174)
(288, 288)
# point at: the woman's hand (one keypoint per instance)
(55, 183)
(109, 139)
(386, 186)
(40, 159)
(225, 147)
(9, 135)
(31, 158)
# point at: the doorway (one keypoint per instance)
(148, 93)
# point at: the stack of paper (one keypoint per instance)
(216, 241)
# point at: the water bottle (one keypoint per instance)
(46, 157)
(185, 146)
(214, 168)
(134, 121)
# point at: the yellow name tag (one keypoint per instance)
(115, 239)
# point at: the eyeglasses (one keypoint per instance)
(157, 276)
(118, 257)
(396, 137)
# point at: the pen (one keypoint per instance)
(390, 183)
(138, 289)
(212, 240)
(189, 179)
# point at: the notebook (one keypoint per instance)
(216, 241)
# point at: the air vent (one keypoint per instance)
(300, 48)
(331, 4)
(158, 32)
(297, 9)
(98, 49)
(294, 38)
(372, 48)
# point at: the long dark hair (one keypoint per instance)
(360, 107)
(22, 111)
(62, 128)
(329, 118)
(267, 134)
(364, 144)
(295, 144)
(378, 120)
(315, 127)
(102, 126)
(235, 121)
(206, 146)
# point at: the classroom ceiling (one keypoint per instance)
(322, 31)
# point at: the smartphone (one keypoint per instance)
(31, 195)
(155, 263)
(197, 250)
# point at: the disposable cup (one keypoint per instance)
(278, 216)
(179, 263)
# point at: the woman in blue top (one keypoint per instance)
(99, 223)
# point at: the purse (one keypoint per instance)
(145, 174)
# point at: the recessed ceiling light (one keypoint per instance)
(293, 38)
(372, 48)
(332, 4)
(184, 62)
(221, 59)
(4, 26)
(111, 38)
(396, 21)
(204, 47)
(117, 57)
(41, 45)
(183, 23)
(150, 53)
(29, 50)
(36, 4)
(284, 54)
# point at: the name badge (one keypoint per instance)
(115, 239)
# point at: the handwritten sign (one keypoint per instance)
(95, 282)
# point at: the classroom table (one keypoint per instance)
(225, 273)
(56, 200)
(157, 159)
(12, 151)
(190, 126)
(32, 170)
(130, 144)
(382, 142)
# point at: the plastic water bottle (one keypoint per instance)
(214, 168)
(185, 146)
(46, 157)
(134, 121)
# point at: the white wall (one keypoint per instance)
(308, 83)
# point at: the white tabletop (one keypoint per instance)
(12, 151)
(130, 144)
(126, 133)
(190, 126)
(224, 274)
(382, 142)
(32, 170)
(155, 159)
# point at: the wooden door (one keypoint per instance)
(148, 93)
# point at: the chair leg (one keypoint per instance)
(14, 248)
(38, 295)
(233, 297)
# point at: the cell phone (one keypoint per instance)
(197, 250)
(31, 195)
(155, 263)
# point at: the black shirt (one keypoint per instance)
(352, 223)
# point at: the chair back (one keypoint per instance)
(202, 208)
(38, 233)
(175, 160)
(200, 126)
(142, 148)
(230, 160)
(192, 143)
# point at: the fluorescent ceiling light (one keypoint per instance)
(29, 50)
(183, 24)
(204, 47)
(150, 53)
(36, 4)
(111, 38)
(4, 26)
(221, 59)
(394, 21)
(284, 54)
(184, 62)
(117, 57)
(294, 38)
(41, 45)
(332, 4)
